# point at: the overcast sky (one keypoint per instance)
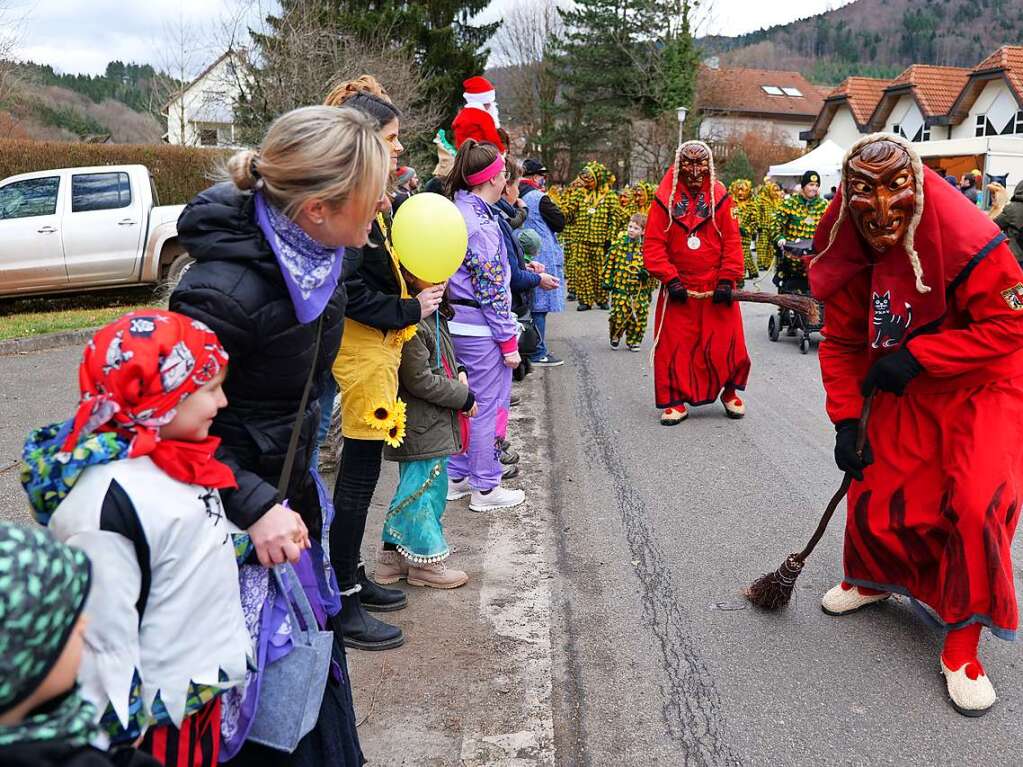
(83, 35)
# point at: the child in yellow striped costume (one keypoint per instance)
(628, 285)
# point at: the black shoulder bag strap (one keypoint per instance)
(296, 430)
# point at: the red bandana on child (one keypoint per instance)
(134, 374)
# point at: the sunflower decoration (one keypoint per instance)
(403, 336)
(380, 415)
(395, 434)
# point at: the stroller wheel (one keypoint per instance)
(773, 327)
(804, 344)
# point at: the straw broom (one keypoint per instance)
(772, 591)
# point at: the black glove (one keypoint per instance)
(892, 372)
(677, 290)
(845, 449)
(723, 293)
(644, 275)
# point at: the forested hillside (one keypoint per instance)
(878, 38)
(124, 103)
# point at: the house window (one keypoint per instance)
(1019, 122)
(208, 137)
(772, 90)
(793, 92)
(897, 130)
(981, 120)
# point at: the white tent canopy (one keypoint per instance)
(825, 160)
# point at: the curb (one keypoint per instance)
(45, 342)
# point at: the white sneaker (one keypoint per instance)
(498, 498)
(839, 601)
(458, 490)
(970, 697)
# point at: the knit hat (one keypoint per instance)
(43, 586)
(404, 174)
(479, 90)
(530, 242)
(810, 177)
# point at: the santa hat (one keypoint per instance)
(479, 90)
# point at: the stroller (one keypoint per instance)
(790, 277)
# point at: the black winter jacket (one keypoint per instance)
(237, 289)
(1011, 222)
(57, 754)
(374, 296)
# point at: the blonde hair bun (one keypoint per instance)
(239, 167)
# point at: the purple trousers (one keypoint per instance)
(490, 382)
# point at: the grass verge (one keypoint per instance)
(25, 317)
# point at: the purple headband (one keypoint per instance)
(482, 176)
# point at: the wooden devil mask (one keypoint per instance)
(694, 166)
(881, 188)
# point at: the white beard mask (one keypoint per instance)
(494, 113)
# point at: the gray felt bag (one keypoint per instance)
(292, 688)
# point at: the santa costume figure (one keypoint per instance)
(479, 118)
(692, 246)
(924, 309)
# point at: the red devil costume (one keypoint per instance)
(478, 119)
(939, 338)
(696, 253)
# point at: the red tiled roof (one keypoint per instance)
(862, 95)
(935, 88)
(741, 91)
(1010, 59)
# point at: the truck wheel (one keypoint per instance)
(177, 269)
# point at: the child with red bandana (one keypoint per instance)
(131, 479)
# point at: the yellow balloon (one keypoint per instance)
(429, 236)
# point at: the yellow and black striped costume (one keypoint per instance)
(629, 287)
(797, 219)
(570, 200)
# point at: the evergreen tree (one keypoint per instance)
(600, 78)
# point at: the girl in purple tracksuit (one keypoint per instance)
(484, 329)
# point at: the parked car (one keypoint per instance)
(74, 229)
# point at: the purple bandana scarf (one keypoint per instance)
(310, 270)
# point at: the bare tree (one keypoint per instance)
(182, 55)
(525, 46)
(298, 58)
(12, 25)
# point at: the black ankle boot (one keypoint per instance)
(378, 599)
(361, 631)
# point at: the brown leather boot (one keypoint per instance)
(436, 575)
(391, 567)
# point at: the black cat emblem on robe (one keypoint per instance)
(890, 328)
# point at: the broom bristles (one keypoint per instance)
(772, 591)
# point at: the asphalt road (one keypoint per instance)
(646, 535)
(658, 659)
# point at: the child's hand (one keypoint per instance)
(512, 360)
(463, 378)
(429, 300)
(473, 410)
(279, 536)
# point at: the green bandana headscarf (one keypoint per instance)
(43, 586)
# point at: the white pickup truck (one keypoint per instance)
(86, 228)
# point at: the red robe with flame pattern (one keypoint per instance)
(935, 514)
(701, 349)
